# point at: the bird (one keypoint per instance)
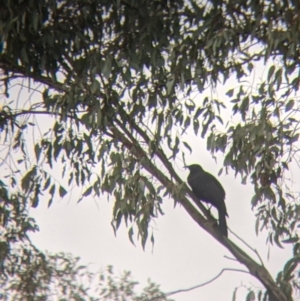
(208, 189)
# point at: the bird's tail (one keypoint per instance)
(223, 223)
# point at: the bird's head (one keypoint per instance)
(194, 168)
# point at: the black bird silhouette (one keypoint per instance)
(208, 189)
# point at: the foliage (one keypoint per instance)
(27, 274)
(121, 81)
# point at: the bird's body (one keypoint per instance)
(208, 189)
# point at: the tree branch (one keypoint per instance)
(205, 283)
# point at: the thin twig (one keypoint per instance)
(184, 290)
(247, 245)
(205, 283)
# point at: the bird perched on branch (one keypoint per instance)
(208, 189)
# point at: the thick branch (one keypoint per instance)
(8, 67)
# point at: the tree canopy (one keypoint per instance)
(125, 82)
